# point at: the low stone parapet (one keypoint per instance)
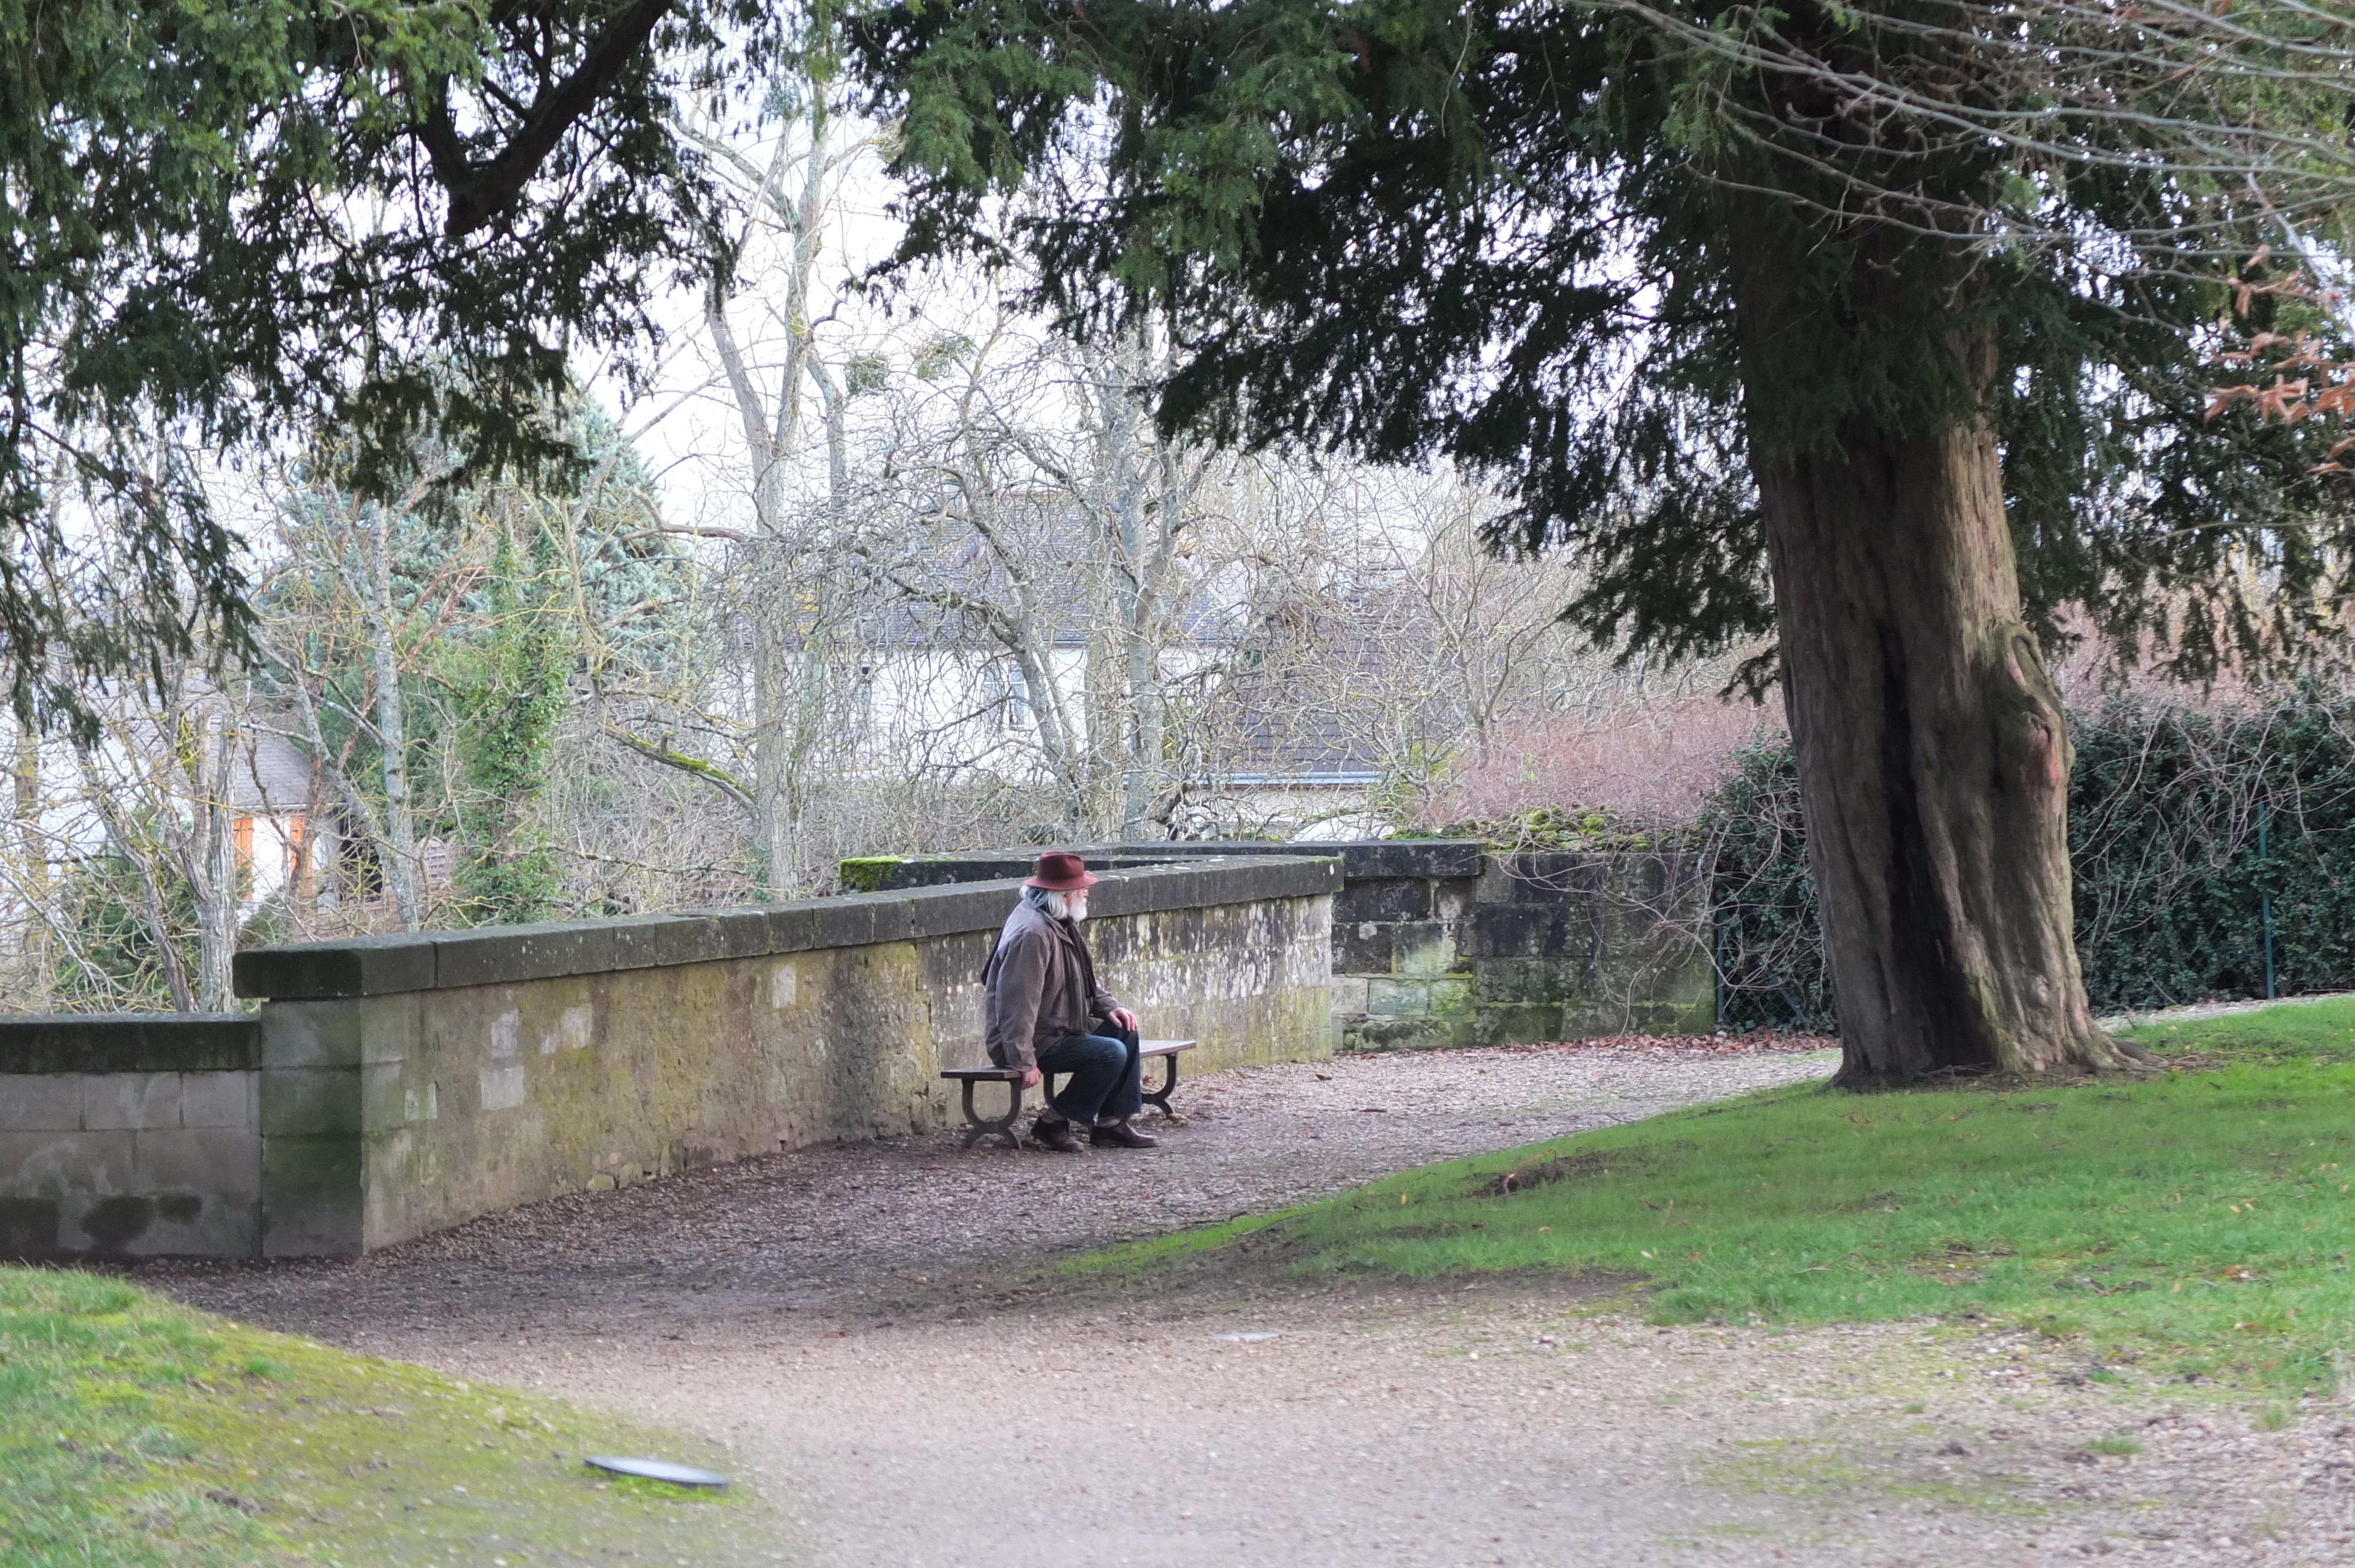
(130, 1135)
(1441, 942)
(412, 1082)
(393, 1086)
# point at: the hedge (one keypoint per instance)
(2183, 822)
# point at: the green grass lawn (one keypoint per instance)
(133, 1431)
(2197, 1221)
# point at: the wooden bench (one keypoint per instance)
(978, 1127)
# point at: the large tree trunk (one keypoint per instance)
(1934, 758)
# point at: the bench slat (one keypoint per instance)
(978, 1127)
(1006, 1074)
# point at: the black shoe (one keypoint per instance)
(1120, 1135)
(1055, 1132)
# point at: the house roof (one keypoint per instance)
(272, 779)
(1339, 694)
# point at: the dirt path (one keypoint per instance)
(860, 1325)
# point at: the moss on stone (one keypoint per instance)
(867, 874)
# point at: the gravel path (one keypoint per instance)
(858, 1325)
(2193, 1011)
(878, 1227)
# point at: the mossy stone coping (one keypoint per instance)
(441, 960)
(131, 1042)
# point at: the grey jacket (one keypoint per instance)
(1039, 986)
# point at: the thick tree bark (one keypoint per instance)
(1934, 752)
(1934, 758)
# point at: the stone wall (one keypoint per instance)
(1524, 947)
(394, 1085)
(130, 1135)
(547, 1067)
(1439, 942)
(398, 1085)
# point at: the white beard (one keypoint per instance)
(1075, 907)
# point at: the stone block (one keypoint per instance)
(1451, 998)
(1504, 980)
(37, 1164)
(1420, 1034)
(1449, 1033)
(308, 1102)
(502, 1088)
(738, 933)
(1518, 1024)
(1543, 879)
(1505, 931)
(312, 1197)
(659, 942)
(1383, 898)
(220, 1099)
(1141, 891)
(850, 920)
(1591, 1018)
(1365, 949)
(387, 1097)
(1256, 878)
(30, 1229)
(950, 911)
(904, 872)
(201, 1224)
(505, 955)
(1412, 857)
(127, 1100)
(1398, 998)
(1427, 947)
(1348, 996)
(1573, 932)
(128, 1042)
(220, 1161)
(313, 1034)
(362, 966)
(1452, 899)
(1673, 1017)
(112, 1226)
(40, 1102)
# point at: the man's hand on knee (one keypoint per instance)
(1124, 1018)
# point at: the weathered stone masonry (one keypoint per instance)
(129, 1134)
(396, 1085)
(1442, 942)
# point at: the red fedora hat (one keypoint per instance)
(1060, 871)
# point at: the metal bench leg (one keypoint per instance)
(1160, 1097)
(977, 1127)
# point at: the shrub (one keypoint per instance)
(2188, 827)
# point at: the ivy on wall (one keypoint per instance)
(2188, 827)
(511, 694)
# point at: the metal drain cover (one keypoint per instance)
(657, 1470)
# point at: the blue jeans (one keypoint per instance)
(1107, 1082)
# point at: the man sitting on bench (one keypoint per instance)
(1046, 1012)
